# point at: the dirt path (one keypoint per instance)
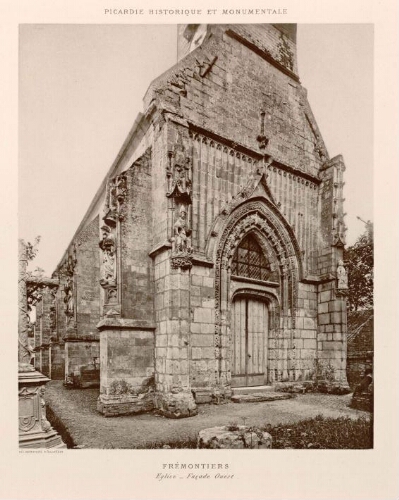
(89, 429)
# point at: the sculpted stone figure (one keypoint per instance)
(68, 299)
(182, 240)
(342, 276)
(178, 172)
(108, 246)
(53, 318)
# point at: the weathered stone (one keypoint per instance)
(35, 430)
(233, 437)
(260, 397)
(82, 358)
(125, 404)
(213, 216)
(126, 366)
(179, 405)
(292, 388)
(329, 387)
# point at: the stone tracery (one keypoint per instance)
(252, 216)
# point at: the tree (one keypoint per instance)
(359, 259)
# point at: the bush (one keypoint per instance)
(323, 433)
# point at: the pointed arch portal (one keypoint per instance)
(257, 270)
(249, 317)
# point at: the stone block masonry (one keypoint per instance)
(80, 357)
(223, 235)
(127, 367)
(78, 306)
(137, 278)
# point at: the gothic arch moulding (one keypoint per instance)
(260, 217)
(266, 208)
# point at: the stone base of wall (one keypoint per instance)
(203, 395)
(323, 386)
(328, 387)
(216, 396)
(295, 387)
(126, 366)
(221, 395)
(113, 406)
(178, 405)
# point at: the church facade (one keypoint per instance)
(211, 256)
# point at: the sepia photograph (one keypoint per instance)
(196, 249)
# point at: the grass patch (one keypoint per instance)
(341, 433)
(323, 433)
(176, 445)
(59, 426)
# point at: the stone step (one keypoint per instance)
(259, 397)
(251, 390)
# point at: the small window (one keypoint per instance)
(249, 260)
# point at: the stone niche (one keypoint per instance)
(127, 366)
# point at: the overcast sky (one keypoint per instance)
(81, 88)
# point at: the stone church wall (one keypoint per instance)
(227, 147)
(240, 95)
(136, 237)
(57, 361)
(218, 140)
(88, 275)
(79, 308)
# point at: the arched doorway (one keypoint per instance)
(249, 317)
(249, 328)
(270, 274)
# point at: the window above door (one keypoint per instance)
(249, 260)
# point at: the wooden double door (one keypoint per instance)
(249, 327)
